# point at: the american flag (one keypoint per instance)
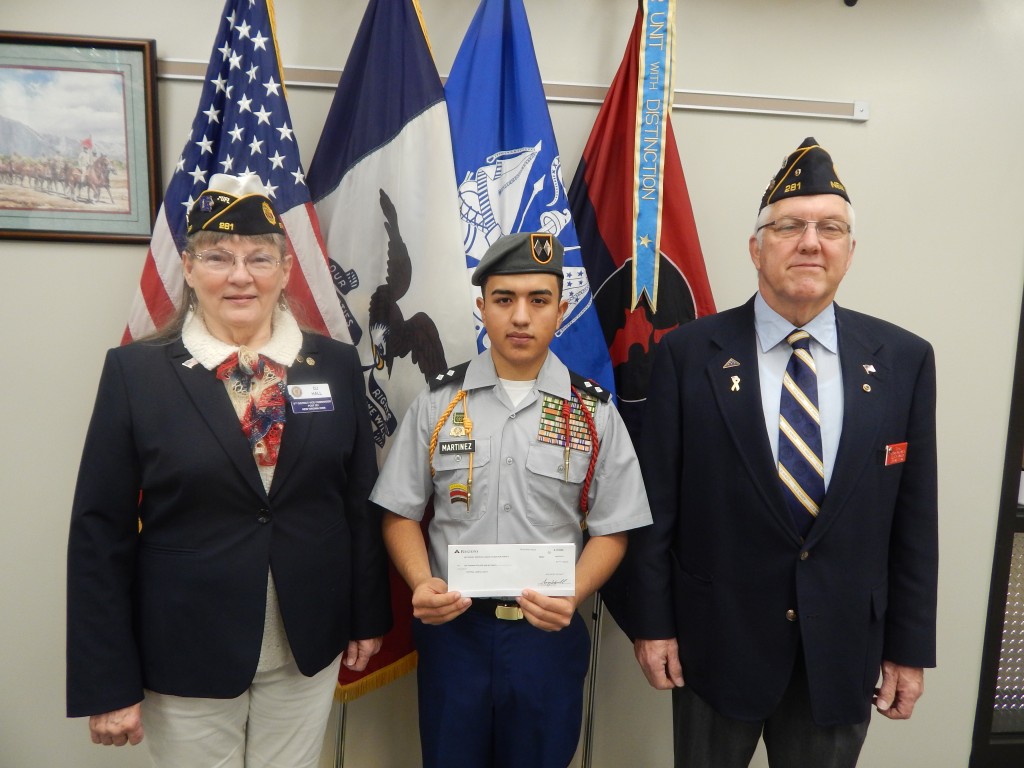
(242, 126)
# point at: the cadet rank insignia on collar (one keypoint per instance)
(589, 386)
(453, 374)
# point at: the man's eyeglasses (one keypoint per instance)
(790, 226)
(221, 261)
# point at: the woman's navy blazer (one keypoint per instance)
(178, 605)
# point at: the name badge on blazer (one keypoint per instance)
(310, 398)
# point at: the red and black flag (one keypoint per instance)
(633, 217)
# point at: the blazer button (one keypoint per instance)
(790, 615)
(263, 516)
(804, 555)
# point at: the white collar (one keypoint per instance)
(283, 347)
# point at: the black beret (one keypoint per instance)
(234, 205)
(807, 171)
(519, 253)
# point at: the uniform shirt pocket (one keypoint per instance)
(552, 498)
(451, 482)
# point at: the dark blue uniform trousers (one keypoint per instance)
(500, 694)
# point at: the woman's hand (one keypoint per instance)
(359, 652)
(117, 728)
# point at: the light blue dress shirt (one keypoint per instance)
(773, 354)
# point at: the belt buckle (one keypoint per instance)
(508, 612)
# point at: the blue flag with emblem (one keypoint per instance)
(509, 171)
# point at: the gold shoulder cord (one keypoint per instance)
(467, 425)
(460, 395)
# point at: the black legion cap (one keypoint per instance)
(808, 170)
(234, 205)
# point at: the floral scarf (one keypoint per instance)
(263, 380)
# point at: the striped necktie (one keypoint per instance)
(800, 466)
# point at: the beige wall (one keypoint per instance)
(935, 175)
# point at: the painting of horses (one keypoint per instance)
(77, 138)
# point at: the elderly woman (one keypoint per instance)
(223, 558)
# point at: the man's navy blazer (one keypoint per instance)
(178, 607)
(723, 569)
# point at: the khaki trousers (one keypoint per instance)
(279, 722)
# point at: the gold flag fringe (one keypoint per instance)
(377, 679)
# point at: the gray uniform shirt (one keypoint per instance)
(519, 492)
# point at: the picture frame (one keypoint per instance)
(79, 140)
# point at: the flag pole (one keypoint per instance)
(339, 735)
(595, 647)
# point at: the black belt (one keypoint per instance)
(499, 609)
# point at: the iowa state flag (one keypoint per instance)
(242, 126)
(383, 182)
(611, 176)
(508, 168)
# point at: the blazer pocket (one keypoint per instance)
(163, 549)
(699, 578)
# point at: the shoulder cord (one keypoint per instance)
(592, 429)
(460, 395)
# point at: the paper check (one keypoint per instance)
(505, 570)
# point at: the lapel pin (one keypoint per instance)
(191, 363)
(731, 363)
(735, 384)
(869, 369)
(300, 360)
(867, 387)
(310, 361)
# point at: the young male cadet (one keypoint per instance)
(794, 545)
(513, 448)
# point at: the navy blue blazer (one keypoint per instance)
(178, 607)
(723, 569)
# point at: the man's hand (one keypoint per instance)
(359, 653)
(901, 688)
(117, 728)
(545, 612)
(659, 659)
(432, 603)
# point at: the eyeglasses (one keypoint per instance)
(220, 261)
(790, 226)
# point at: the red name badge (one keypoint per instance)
(895, 453)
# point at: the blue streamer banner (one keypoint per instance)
(654, 102)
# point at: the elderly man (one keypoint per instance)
(789, 457)
(513, 449)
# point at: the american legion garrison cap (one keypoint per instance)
(519, 253)
(808, 170)
(234, 205)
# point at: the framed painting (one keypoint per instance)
(79, 149)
